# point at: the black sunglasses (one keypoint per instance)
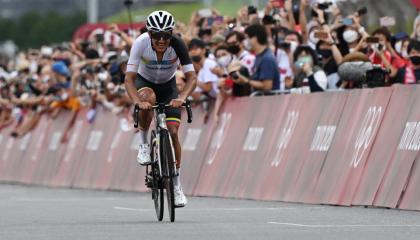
(161, 35)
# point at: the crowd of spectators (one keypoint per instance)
(283, 48)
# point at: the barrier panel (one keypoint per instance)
(195, 138)
(9, 144)
(406, 150)
(226, 140)
(282, 133)
(6, 143)
(246, 161)
(411, 195)
(73, 155)
(96, 149)
(314, 155)
(361, 119)
(51, 153)
(33, 150)
(383, 152)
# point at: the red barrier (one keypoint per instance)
(110, 159)
(314, 155)
(215, 173)
(389, 135)
(7, 145)
(411, 194)
(195, 139)
(95, 150)
(274, 146)
(348, 148)
(355, 135)
(34, 148)
(406, 150)
(73, 156)
(245, 163)
(124, 157)
(52, 152)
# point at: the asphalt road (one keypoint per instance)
(47, 213)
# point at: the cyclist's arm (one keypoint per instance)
(130, 77)
(132, 67)
(187, 67)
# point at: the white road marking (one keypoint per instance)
(341, 226)
(209, 209)
(62, 199)
(133, 209)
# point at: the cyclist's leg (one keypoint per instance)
(145, 93)
(173, 116)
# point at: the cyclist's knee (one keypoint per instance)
(147, 95)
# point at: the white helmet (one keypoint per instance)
(160, 21)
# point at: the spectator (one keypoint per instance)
(309, 75)
(207, 80)
(265, 75)
(234, 41)
(409, 74)
(384, 37)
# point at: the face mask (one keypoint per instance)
(350, 36)
(224, 61)
(247, 44)
(404, 54)
(312, 38)
(64, 96)
(325, 53)
(234, 49)
(415, 60)
(398, 47)
(196, 59)
(293, 46)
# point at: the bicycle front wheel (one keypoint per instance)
(157, 188)
(167, 160)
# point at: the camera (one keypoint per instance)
(376, 77)
(252, 10)
(324, 6)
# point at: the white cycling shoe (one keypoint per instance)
(180, 199)
(143, 157)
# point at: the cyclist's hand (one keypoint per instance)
(144, 105)
(176, 103)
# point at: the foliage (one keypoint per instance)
(33, 30)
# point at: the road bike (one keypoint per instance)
(160, 173)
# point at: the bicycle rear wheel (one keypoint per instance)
(167, 160)
(157, 188)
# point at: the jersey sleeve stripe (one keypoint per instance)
(188, 68)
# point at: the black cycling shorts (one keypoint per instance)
(164, 94)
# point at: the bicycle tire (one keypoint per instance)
(167, 160)
(157, 190)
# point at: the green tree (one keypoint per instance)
(33, 30)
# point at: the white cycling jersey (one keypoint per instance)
(143, 59)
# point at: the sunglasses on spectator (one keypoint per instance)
(161, 35)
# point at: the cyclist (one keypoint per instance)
(150, 78)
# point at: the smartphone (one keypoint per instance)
(362, 11)
(210, 21)
(321, 35)
(347, 21)
(372, 40)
